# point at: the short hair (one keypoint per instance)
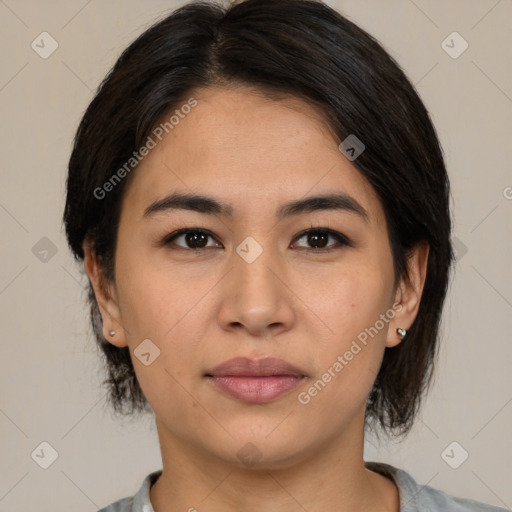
(290, 48)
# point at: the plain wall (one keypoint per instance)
(50, 369)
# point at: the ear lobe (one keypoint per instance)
(409, 292)
(106, 297)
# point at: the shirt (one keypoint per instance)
(413, 497)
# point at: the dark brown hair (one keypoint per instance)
(300, 48)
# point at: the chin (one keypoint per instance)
(255, 451)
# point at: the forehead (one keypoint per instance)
(250, 150)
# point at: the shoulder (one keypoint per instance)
(435, 500)
(123, 505)
(423, 498)
(139, 502)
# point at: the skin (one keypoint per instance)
(202, 308)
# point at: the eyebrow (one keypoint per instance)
(209, 205)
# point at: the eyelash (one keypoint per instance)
(342, 239)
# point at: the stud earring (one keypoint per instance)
(401, 332)
(112, 333)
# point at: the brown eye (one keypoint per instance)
(318, 239)
(192, 238)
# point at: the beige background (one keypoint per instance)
(50, 373)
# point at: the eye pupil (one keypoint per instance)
(315, 236)
(193, 236)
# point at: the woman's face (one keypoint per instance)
(254, 286)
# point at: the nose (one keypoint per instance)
(256, 297)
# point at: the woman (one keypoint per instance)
(262, 207)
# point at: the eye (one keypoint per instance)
(319, 237)
(197, 239)
(193, 238)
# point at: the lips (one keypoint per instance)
(255, 380)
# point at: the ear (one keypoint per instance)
(106, 297)
(408, 293)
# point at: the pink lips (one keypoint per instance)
(255, 380)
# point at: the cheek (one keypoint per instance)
(167, 312)
(164, 306)
(348, 359)
(347, 366)
(143, 304)
(155, 299)
(352, 300)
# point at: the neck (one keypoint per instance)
(331, 477)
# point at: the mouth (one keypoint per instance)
(255, 380)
